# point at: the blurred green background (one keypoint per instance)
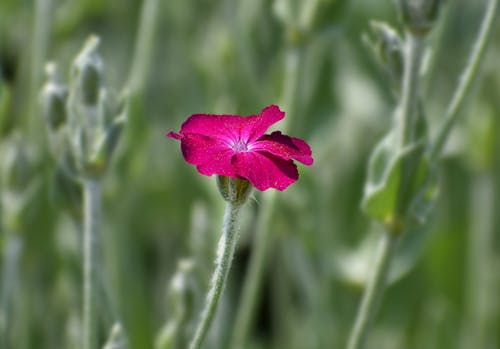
(238, 56)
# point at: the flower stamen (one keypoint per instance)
(239, 146)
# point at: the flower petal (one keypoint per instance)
(265, 171)
(224, 127)
(284, 146)
(257, 125)
(210, 155)
(232, 128)
(174, 135)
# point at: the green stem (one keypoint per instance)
(143, 46)
(407, 122)
(41, 34)
(225, 252)
(12, 252)
(466, 79)
(407, 112)
(480, 316)
(253, 278)
(92, 212)
(308, 15)
(407, 115)
(293, 62)
(373, 291)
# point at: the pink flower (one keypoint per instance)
(236, 146)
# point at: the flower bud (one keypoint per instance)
(387, 46)
(234, 190)
(87, 71)
(16, 169)
(182, 294)
(95, 116)
(18, 186)
(5, 102)
(99, 160)
(65, 191)
(419, 15)
(182, 289)
(286, 11)
(117, 338)
(53, 98)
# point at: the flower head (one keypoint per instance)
(237, 146)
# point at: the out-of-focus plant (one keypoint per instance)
(85, 121)
(117, 338)
(401, 184)
(18, 188)
(183, 292)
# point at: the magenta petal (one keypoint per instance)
(265, 171)
(225, 127)
(237, 146)
(210, 155)
(174, 135)
(257, 125)
(285, 147)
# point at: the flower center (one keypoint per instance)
(239, 145)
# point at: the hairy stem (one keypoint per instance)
(92, 212)
(253, 279)
(225, 252)
(373, 291)
(466, 79)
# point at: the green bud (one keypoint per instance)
(53, 98)
(65, 190)
(5, 104)
(16, 169)
(18, 184)
(286, 11)
(388, 48)
(182, 293)
(419, 15)
(321, 15)
(107, 136)
(95, 116)
(87, 71)
(234, 190)
(100, 160)
(113, 133)
(182, 290)
(117, 338)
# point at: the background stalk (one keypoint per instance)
(373, 292)
(92, 216)
(467, 77)
(41, 34)
(407, 115)
(263, 239)
(480, 280)
(10, 268)
(406, 119)
(143, 46)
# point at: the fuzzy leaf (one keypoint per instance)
(382, 188)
